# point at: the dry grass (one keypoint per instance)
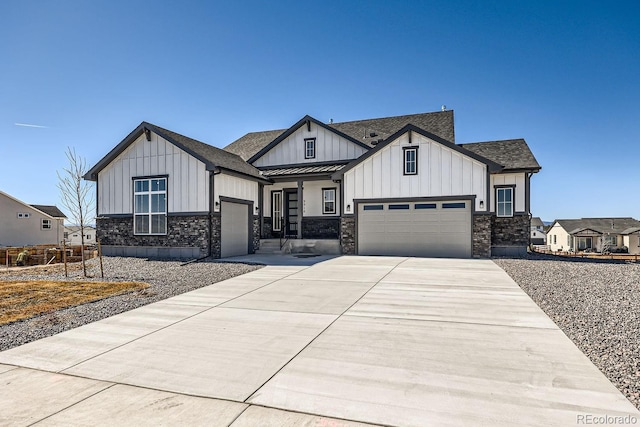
(24, 299)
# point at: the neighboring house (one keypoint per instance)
(538, 235)
(22, 224)
(389, 186)
(590, 234)
(72, 235)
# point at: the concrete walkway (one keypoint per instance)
(381, 340)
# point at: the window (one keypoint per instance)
(398, 207)
(453, 205)
(46, 224)
(150, 206)
(425, 206)
(555, 240)
(66, 235)
(373, 207)
(569, 241)
(328, 200)
(504, 197)
(610, 240)
(411, 160)
(23, 214)
(309, 148)
(276, 210)
(88, 236)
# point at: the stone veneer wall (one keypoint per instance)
(510, 231)
(216, 235)
(320, 228)
(182, 231)
(481, 236)
(348, 235)
(256, 233)
(266, 228)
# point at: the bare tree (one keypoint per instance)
(76, 194)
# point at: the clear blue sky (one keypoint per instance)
(564, 75)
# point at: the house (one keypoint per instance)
(388, 186)
(591, 234)
(72, 235)
(538, 235)
(22, 224)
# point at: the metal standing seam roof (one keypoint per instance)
(302, 170)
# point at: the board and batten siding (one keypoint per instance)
(226, 185)
(329, 147)
(187, 183)
(442, 172)
(517, 179)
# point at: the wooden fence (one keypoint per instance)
(591, 255)
(44, 254)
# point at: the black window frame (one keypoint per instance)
(405, 150)
(150, 213)
(512, 188)
(306, 148)
(335, 201)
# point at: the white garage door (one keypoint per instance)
(234, 235)
(427, 229)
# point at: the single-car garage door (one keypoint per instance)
(419, 228)
(234, 235)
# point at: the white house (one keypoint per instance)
(591, 234)
(72, 235)
(389, 186)
(538, 235)
(22, 224)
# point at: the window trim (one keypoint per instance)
(499, 188)
(49, 223)
(335, 201)
(405, 150)
(276, 220)
(149, 214)
(306, 148)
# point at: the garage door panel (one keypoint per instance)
(234, 234)
(431, 229)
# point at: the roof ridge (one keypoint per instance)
(390, 117)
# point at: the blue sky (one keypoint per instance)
(563, 75)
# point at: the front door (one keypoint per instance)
(291, 212)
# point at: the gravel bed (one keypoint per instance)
(167, 278)
(596, 304)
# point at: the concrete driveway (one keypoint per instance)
(381, 340)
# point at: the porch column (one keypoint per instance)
(300, 209)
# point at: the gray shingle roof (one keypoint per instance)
(536, 221)
(439, 123)
(211, 156)
(50, 210)
(513, 154)
(601, 225)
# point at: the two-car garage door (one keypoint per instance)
(415, 228)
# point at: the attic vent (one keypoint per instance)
(374, 142)
(372, 134)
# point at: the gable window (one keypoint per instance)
(410, 160)
(23, 214)
(46, 224)
(150, 206)
(328, 200)
(309, 148)
(504, 197)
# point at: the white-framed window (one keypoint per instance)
(276, 210)
(150, 206)
(46, 224)
(23, 215)
(504, 199)
(309, 148)
(328, 200)
(410, 161)
(610, 240)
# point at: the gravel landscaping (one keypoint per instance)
(596, 304)
(167, 278)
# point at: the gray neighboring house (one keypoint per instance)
(387, 186)
(22, 224)
(592, 233)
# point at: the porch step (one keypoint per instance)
(269, 246)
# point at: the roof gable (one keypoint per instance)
(491, 166)
(368, 132)
(212, 157)
(47, 210)
(305, 121)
